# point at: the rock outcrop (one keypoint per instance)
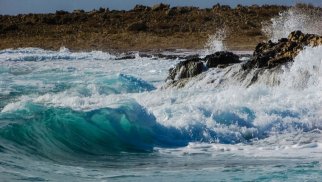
(267, 58)
(221, 59)
(186, 69)
(194, 66)
(270, 54)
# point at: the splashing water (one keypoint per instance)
(84, 116)
(306, 71)
(307, 20)
(215, 42)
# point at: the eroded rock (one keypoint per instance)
(221, 59)
(271, 54)
(194, 66)
(186, 69)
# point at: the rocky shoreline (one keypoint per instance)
(142, 29)
(267, 56)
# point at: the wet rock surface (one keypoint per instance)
(271, 54)
(186, 69)
(195, 65)
(221, 59)
(267, 59)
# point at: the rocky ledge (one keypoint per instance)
(270, 54)
(267, 55)
(194, 66)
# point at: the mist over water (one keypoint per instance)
(95, 116)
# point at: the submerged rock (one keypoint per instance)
(270, 54)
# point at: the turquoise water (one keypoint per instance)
(91, 117)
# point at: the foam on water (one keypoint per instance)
(35, 54)
(93, 109)
(209, 112)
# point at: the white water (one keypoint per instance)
(215, 42)
(226, 107)
(307, 21)
(228, 122)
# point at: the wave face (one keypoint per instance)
(60, 108)
(59, 133)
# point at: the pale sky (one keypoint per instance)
(45, 6)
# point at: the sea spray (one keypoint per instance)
(215, 42)
(305, 19)
(306, 71)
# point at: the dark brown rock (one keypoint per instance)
(194, 66)
(222, 58)
(186, 69)
(271, 54)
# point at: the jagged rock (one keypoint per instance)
(221, 59)
(186, 69)
(194, 66)
(270, 54)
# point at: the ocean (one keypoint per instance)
(95, 116)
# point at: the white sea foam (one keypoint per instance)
(215, 105)
(36, 54)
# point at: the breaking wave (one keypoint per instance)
(304, 18)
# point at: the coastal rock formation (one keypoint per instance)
(194, 66)
(266, 60)
(221, 59)
(186, 69)
(270, 54)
